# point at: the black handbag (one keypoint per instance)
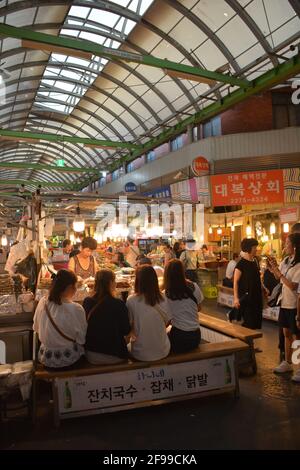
(275, 295)
(273, 300)
(235, 313)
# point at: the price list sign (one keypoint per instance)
(152, 383)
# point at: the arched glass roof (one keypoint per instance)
(109, 99)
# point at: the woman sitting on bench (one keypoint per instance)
(184, 300)
(149, 317)
(60, 323)
(108, 322)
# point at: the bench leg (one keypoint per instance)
(56, 419)
(253, 357)
(236, 373)
(34, 401)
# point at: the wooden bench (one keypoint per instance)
(231, 330)
(225, 295)
(209, 369)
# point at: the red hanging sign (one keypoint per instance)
(200, 166)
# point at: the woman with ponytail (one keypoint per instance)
(288, 272)
(60, 323)
(108, 322)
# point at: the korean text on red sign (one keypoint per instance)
(255, 187)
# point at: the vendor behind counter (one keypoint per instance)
(84, 264)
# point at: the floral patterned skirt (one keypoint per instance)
(60, 357)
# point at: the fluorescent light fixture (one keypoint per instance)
(248, 229)
(4, 241)
(78, 223)
(272, 228)
(286, 227)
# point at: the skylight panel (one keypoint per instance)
(145, 5)
(129, 26)
(105, 17)
(80, 12)
(92, 37)
(70, 32)
(80, 72)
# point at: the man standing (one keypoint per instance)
(228, 280)
(191, 259)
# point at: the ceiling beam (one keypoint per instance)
(16, 139)
(41, 40)
(66, 138)
(42, 167)
(45, 184)
(57, 49)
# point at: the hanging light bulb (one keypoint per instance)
(72, 238)
(272, 228)
(286, 227)
(4, 241)
(219, 230)
(210, 230)
(232, 226)
(78, 223)
(98, 237)
(248, 229)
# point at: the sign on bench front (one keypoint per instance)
(77, 394)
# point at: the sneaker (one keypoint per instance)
(283, 367)
(296, 376)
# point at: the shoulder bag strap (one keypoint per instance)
(56, 327)
(191, 289)
(162, 313)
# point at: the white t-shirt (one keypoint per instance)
(152, 342)
(185, 311)
(71, 320)
(230, 269)
(288, 296)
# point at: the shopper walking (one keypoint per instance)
(247, 286)
(288, 272)
(190, 258)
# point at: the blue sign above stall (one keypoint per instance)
(165, 191)
(130, 188)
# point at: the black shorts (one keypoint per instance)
(287, 319)
(184, 341)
